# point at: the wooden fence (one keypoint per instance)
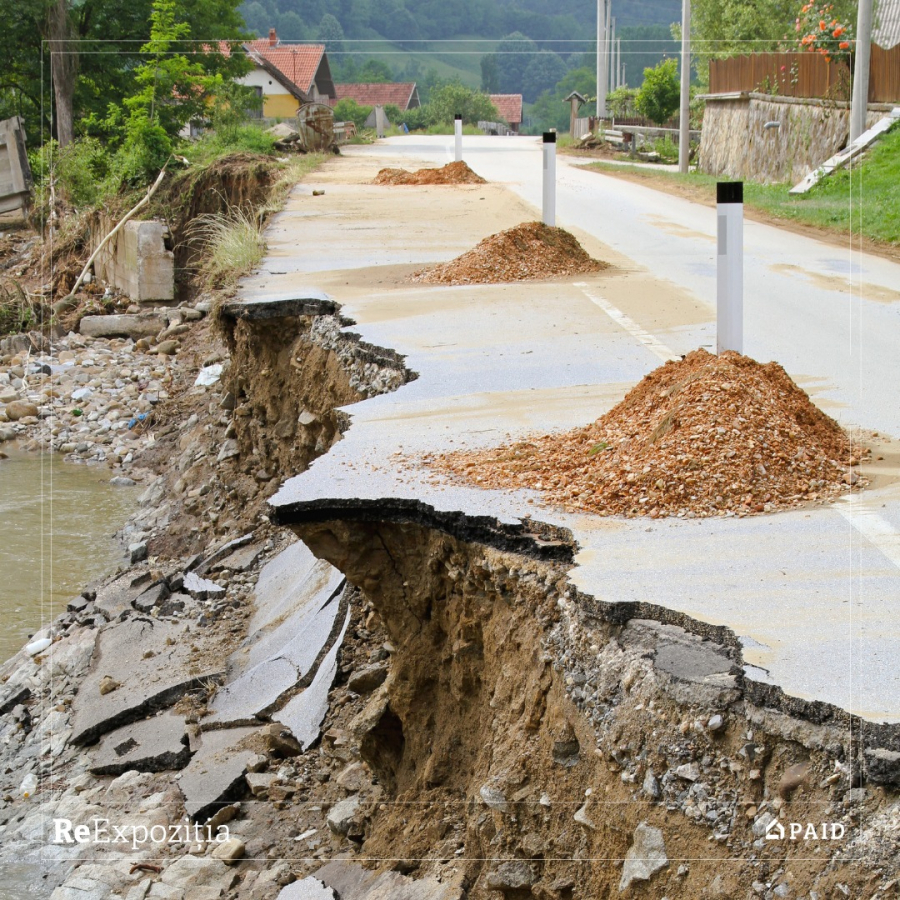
(805, 75)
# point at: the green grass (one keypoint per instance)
(237, 139)
(864, 200)
(233, 245)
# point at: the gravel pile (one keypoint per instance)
(529, 251)
(704, 436)
(452, 173)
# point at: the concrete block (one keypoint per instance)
(137, 262)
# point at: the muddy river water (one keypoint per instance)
(57, 522)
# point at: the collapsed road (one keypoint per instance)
(442, 691)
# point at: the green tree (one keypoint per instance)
(376, 72)
(550, 111)
(658, 96)
(514, 53)
(104, 50)
(490, 78)
(644, 47)
(542, 73)
(348, 110)
(331, 34)
(454, 98)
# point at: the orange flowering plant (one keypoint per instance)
(818, 31)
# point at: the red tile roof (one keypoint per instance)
(509, 106)
(400, 94)
(299, 63)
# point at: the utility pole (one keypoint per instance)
(684, 124)
(601, 58)
(612, 54)
(860, 100)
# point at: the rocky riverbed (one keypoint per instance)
(91, 396)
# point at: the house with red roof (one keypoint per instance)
(404, 95)
(509, 106)
(288, 75)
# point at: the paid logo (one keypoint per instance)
(804, 831)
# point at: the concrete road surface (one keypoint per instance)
(814, 594)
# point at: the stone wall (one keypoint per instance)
(138, 262)
(736, 144)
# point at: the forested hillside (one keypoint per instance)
(411, 20)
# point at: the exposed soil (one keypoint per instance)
(704, 436)
(528, 251)
(452, 173)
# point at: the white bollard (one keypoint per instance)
(457, 131)
(730, 266)
(549, 210)
(379, 121)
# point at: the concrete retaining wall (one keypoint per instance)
(137, 262)
(735, 143)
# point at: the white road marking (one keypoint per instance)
(654, 345)
(872, 526)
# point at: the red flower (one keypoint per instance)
(844, 45)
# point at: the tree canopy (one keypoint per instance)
(105, 46)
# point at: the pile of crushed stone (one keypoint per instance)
(529, 251)
(704, 436)
(452, 173)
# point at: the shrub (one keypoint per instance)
(348, 110)
(659, 95)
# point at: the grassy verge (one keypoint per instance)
(862, 201)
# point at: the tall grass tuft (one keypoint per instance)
(233, 245)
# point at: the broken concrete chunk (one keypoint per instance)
(882, 766)
(152, 745)
(304, 713)
(645, 857)
(151, 660)
(344, 814)
(353, 882)
(201, 588)
(153, 596)
(214, 778)
(308, 889)
(241, 559)
(143, 325)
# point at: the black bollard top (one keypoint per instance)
(458, 117)
(549, 137)
(730, 192)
